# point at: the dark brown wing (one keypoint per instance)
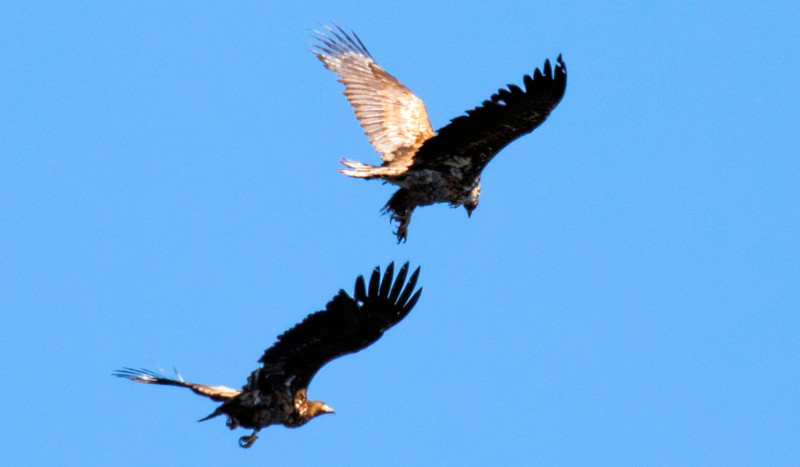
(470, 141)
(346, 325)
(394, 119)
(216, 393)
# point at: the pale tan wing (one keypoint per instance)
(394, 119)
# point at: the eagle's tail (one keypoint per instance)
(359, 170)
(217, 393)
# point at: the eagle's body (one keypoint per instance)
(275, 393)
(441, 167)
(425, 187)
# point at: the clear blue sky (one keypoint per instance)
(628, 291)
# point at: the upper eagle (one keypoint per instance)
(431, 167)
(275, 393)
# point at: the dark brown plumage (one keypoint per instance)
(275, 393)
(442, 167)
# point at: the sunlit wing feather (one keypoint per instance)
(470, 141)
(347, 325)
(394, 119)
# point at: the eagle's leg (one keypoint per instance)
(247, 441)
(402, 228)
(399, 208)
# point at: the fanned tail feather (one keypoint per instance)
(359, 170)
(140, 375)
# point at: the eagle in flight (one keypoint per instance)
(441, 167)
(275, 393)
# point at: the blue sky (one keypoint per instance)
(627, 292)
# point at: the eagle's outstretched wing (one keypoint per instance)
(346, 325)
(470, 141)
(394, 119)
(217, 393)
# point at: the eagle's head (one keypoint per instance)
(472, 199)
(305, 409)
(317, 408)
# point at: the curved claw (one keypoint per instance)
(402, 233)
(402, 230)
(247, 441)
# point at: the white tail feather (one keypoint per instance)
(359, 170)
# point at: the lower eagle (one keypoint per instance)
(441, 167)
(275, 393)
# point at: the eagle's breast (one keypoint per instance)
(429, 186)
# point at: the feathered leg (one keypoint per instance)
(400, 210)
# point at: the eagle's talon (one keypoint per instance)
(402, 233)
(247, 441)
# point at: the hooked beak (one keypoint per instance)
(469, 211)
(325, 408)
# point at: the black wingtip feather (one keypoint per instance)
(396, 290)
(361, 44)
(412, 301)
(528, 81)
(412, 282)
(387, 287)
(398, 283)
(374, 282)
(561, 70)
(361, 289)
(337, 42)
(386, 283)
